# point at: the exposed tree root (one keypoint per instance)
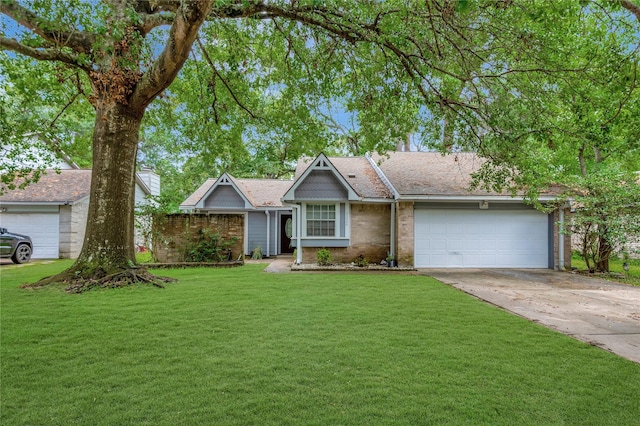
(77, 283)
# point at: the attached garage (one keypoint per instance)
(468, 237)
(42, 227)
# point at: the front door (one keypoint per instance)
(286, 230)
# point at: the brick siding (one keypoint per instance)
(405, 234)
(370, 236)
(172, 233)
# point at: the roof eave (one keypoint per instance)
(409, 197)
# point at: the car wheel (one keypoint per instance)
(22, 254)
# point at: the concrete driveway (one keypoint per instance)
(595, 311)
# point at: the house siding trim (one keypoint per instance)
(223, 181)
(320, 163)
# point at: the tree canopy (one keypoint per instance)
(545, 90)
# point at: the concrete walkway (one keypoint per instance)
(278, 265)
(593, 310)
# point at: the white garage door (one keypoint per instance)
(481, 238)
(43, 228)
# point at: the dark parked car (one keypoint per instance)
(17, 247)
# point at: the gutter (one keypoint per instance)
(561, 238)
(468, 198)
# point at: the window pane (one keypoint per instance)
(321, 220)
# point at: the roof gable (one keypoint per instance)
(225, 193)
(321, 180)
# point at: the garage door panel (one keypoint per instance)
(455, 244)
(43, 228)
(481, 238)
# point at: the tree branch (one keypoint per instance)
(50, 54)
(631, 7)
(78, 41)
(188, 18)
(217, 74)
(151, 21)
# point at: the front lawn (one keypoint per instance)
(240, 346)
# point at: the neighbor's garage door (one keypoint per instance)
(43, 228)
(481, 238)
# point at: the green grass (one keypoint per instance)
(240, 346)
(615, 266)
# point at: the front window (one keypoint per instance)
(321, 220)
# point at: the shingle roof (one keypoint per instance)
(265, 192)
(431, 173)
(193, 199)
(358, 172)
(259, 192)
(66, 186)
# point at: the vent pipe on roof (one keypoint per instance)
(404, 145)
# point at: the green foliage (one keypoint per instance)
(361, 261)
(256, 254)
(607, 208)
(545, 89)
(324, 257)
(144, 257)
(207, 246)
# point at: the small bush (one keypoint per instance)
(257, 253)
(324, 257)
(207, 247)
(361, 261)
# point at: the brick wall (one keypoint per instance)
(172, 232)
(405, 233)
(370, 236)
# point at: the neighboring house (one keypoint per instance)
(267, 222)
(53, 211)
(412, 206)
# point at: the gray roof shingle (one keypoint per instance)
(259, 192)
(358, 173)
(57, 188)
(431, 173)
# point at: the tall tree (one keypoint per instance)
(395, 66)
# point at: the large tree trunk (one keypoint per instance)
(107, 258)
(108, 244)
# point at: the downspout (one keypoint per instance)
(268, 230)
(561, 239)
(392, 245)
(395, 195)
(298, 238)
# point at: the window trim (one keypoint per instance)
(337, 221)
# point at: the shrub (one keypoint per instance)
(207, 247)
(361, 261)
(323, 256)
(257, 253)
